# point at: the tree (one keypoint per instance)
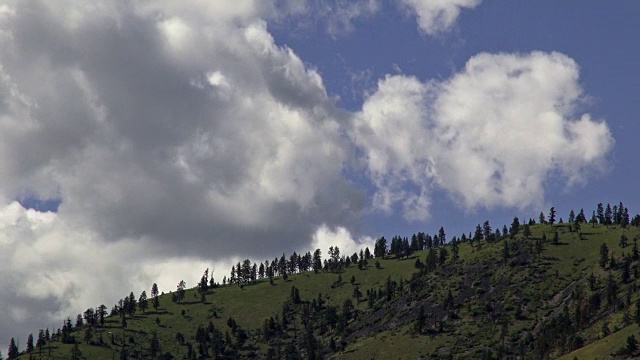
(154, 295)
(626, 271)
(542, 219)
(608, 215)
(572, 216)
(515, 227)
(380, 247)
(442, 236)
(527, 231)
(486, 231)
(76, 354)
(357, 294)
(604, 255)
(30, 343)
(612, 291)
(624, 241)
(317, 261)
(477, 236)
(13, 350)
(154, 347)
(181, 290)
(455, 248)
(143, 303)
(41, 340)
(552, 215)
(632, 344)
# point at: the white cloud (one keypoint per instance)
(391, 133)
(437, 16)
(182, 129)
(490, 135)
(324, 237)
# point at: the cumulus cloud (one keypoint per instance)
(490, 135)
(437, 16)
(167, 123)
(324, 237)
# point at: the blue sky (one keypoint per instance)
(194, 135)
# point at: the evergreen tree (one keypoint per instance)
(442, 236)
(181, 288)
(143, 303)
(13, 350)
(552, 215)
(478, 234)
(76, 354)
(600, 212)
(608, 215)
(154, 294)
(581, 217)
(632, 344)
(30, 343)
(572, 216)
(515, 227)
(380, 247)
(154, 348)
(604, 255)
(455, 249)
(542, 219)
(624, 241)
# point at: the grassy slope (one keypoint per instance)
(572, 260)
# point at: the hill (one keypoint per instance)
(536, 291)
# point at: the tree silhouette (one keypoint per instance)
(181, 289)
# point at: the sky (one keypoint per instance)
(145, 141)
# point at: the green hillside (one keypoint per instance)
(525, 295)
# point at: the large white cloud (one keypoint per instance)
(490, 135)
(437, 16)
(170, 131)
(169, 122)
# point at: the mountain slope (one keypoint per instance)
(533, 300)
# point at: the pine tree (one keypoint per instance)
(552, 215)
(76, 354)
(624, 241)
(154, 347)
(604, 255)
(181, 288)
(30, 343)
(143, 303)
(13, 350)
